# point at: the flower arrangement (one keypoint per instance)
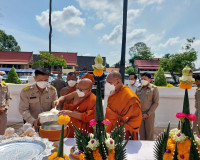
(63, 120)
(100, 145)
(180, 143)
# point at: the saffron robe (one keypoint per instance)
(87, 109)
(124, 105)
(71, 102)
(89, 76)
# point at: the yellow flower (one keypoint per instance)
(184, 147)
(97, 155)
(63, 119)
(168, 156)
(170, 85)
(98, 72)
(185, 156)
(183, 85)
(54, 157)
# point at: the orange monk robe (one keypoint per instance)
(89, 76)
(87, 109)
(67, 103)
(124, 105)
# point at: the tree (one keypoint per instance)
(175, 63)
(129, 70)
(117, 65)
(140, 51)
(13, 77)
(107, 65)
(49, 60)
(160, 79)
(8, 42)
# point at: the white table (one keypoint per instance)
(136, 150)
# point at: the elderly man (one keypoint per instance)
(82, 109)
(197, 104)
(59, 83)
(4, 104)
(37, 98)
(123, 105)
(149, 97)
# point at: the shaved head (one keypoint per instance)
(115, 75)
(85, 83)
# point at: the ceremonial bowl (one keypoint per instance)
(52, 130)
(48, 116)
(72, 150)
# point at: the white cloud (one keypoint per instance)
(99, 26)
(136, 35)
(132, 14)
(68, 20)
(87, 54)
(196, 46)
(170, 42)
(114, 37)
(149, 2)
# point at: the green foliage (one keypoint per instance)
(129, 70)
(117, 65)
(175, 153)
(13, 77)
(49, 60)
(160, 79)
(160, 145)
(194, 155)
(140, 51)
(107, 65)
(60, 149)
(8, 42)
(175, 63)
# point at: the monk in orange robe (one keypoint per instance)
(82, 110)
(71, 81)
(87, 75)
(123, 105)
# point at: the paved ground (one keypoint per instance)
(16, 126)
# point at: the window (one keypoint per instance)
(69, 67)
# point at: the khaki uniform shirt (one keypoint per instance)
(149, 97)
(4, 96)
(33, 102)
(197, 104)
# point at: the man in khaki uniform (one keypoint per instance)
(149, 97)
(197, 104)
(37, 98)
(4, 104)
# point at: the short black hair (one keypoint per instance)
(41, 71)
(71, 73)
(135, 76)
(197, 77)
(85, 68)
(146, 74)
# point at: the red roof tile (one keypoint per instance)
(71, 58)
(147, 64)
(11, 57)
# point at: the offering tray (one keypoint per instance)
(25, 148)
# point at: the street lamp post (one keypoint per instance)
(123, 49)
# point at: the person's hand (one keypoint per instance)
(63, 112)
(36, 124)
(144, 116)
(55, 103)
(2, 110)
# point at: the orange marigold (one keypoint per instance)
(185, 156)
(168, 156)
(82, 157)
(97, 155)
(111, 154)
(54, 157)
(63, 119)
(184, 147)
(98, 72)
(185, 85)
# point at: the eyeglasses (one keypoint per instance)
(83, 90)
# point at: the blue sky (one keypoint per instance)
(90, 27)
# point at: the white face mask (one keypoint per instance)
(144, 82)
(42, 84)
(71, 83)
(131, 81)
(110, 87)
(1, 77)
(80, 93)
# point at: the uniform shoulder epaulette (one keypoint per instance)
(4, 84)
(139, 85)
(198, 89)
(27, 88)
(52, 87)
(154, 86)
